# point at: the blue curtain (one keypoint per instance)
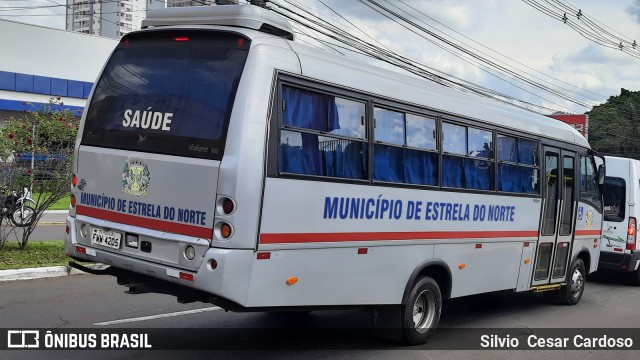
(344, 158)
(420, 167)
(507, 149)
(516, 179)
(329, 157)
(452, 171)
(388, 164)
(509, 179)
(478, 174)
(526, 181)
(304, 158)
(399, 165)
(527, 151)
(304, 109)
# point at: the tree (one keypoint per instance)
(614, 127)
(36, 152)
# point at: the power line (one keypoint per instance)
(476, 62)
(497, 52)
(331, 31)
(478, 57)
(587, 26)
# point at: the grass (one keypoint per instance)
(62, 204)
(37, 254)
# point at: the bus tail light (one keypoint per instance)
(631, 234)
(74, 180)
(73, 200)
(226, 205)
(225, 230)
(213, 264)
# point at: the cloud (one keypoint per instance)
(634, 11)
(597, 69)
(36, 12)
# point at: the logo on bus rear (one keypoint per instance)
(135, 177)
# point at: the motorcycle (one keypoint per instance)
(19, 208)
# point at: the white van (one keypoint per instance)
(619, 250)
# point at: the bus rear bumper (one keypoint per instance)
(207, 284)
(142, 284)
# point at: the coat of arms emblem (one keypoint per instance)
(589, 219)
(135, 177)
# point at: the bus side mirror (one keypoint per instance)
(602, 172)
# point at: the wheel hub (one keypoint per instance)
(577, 283)
(424, 311)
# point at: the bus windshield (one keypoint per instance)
(167, 92)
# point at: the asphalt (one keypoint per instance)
(52, 217)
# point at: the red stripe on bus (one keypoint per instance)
(380, 236)
(154, 224)
(587, 232)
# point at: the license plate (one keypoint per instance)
(106, 238)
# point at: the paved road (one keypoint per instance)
(50, 227)
(87, 301)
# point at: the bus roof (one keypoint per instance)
(250, 17)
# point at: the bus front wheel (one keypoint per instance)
(421, 313)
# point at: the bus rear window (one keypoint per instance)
(614, 199)
(168, 92)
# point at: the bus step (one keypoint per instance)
(542, 288)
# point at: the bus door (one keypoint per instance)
(558, 213)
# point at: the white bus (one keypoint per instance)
(619, 251)
(220, 161)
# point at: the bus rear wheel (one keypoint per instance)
(421, 313)
(576, 278)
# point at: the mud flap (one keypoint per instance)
(387, 322)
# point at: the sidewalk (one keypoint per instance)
(54, 217)
(43, 272)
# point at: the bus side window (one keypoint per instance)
(322, 135)
(468, 160)
(398, 154)
(517, 165)
(589, 182)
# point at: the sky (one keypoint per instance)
(511, 32)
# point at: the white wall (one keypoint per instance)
(36, 50)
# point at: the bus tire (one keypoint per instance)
(576, 278)
(421, 314)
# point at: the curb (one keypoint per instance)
(43, 272)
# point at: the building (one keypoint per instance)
(39, 63)
(108, 18)
(579, 121)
